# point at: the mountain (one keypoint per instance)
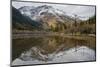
(49, 17)
(20, 21)
(39, 12)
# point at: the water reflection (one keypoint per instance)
(46, 48)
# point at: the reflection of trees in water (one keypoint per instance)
(57, 44)
(49, 45)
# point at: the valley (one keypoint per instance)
(49, 33)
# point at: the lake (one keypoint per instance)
(53, 49)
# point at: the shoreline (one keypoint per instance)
(15, 36)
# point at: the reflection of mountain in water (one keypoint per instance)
(52, 49)
(32, 56)
(48, 45)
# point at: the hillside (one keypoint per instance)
(22, 22)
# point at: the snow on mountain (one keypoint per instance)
(37, 12)
(46, 15)
(26, 10)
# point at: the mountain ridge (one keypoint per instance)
(49, 16)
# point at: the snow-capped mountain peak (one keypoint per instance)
(49, 9)
(34, 12)
(47, 15)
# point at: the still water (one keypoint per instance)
(52, 49)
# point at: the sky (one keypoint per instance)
(84, 12)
